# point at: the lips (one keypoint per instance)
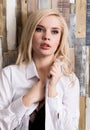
(45, 46)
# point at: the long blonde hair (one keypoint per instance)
(25, 48)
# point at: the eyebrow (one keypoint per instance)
(39, 25)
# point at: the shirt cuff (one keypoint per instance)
(55, 105)
(54, 102)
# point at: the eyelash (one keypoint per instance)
(38, 29)
(55, 31)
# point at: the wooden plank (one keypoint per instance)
(24, 11)
(1, 20)
(88, 23)
(44, 4)
(72, 57)
(80, 18)
(4, 7)
(11, 24)
(82, 113)
(19, 22)
(72, 29)
(81, 64)
(87, 72)
(0, 53)
(32, 5)
(87, 113)
(0, 1)
(72, 9)
(9, 58)
(64, 8)
(4, 45)
(72, 1)
(54, 3)
(4, 40)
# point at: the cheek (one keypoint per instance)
(55, 46)
(56, 42)
(36, 39)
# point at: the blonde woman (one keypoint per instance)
(41, 91)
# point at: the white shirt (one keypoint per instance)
(62, 111)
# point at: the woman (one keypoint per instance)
(42, 80)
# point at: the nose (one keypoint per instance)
(46, 36)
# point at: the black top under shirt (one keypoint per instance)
(39, 120)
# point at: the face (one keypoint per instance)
(46, 37)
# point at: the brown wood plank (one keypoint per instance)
(1, 21)
(80, 18)
(72, 57)
(0, 53)
(24, 11)
(82, 113)
(9, 58)
(32, 5)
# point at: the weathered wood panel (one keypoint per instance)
(72, 1)
(42, 4)
(88, 23)
(9, 58)
(1, 53)
(24, 11)
(80, 18)
(11, 24)
(72, 29)
(4, 39)
(82, 113)
(87, 114)
(64, 8)
(72, 57)
(1, 20)
(18, 22)
(32, 5)
(54, 4)
(81, 64)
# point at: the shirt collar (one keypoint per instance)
(31, 70)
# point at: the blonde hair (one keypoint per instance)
(25, 48)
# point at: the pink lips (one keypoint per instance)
(45, 46)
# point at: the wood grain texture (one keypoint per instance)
(1, 20)
(11, 24)
(24, 11)
(88, 23)
(80, 18)
(32, 5)
(1, 53)
(82, 113)
(9, 58)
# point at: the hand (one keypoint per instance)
(35, 94)
(55, 75)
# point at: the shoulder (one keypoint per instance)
(12, 69)
(70, 81)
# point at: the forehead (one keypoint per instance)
(50, 20)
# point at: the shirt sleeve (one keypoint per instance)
(11, 112)
(64, 110)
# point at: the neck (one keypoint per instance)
(43, 62)
(43, 65)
